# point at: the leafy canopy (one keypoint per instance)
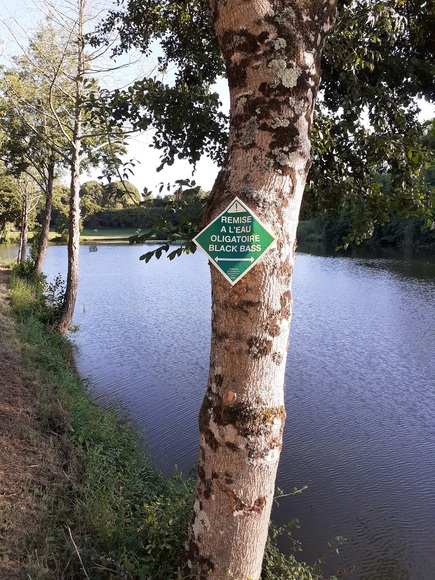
(184, 109)
(377, 62)
(10, 201)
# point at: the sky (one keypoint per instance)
(148, 159)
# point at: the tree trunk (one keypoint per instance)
(72, 282)
(24, 227)
(272, 51)
(46, 220)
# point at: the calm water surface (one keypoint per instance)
(360, 390)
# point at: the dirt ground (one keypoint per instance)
(26, 453)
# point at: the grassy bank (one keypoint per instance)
(107, 511)
(110, 513)
(87, 235)
(107, 234)
(13, 237)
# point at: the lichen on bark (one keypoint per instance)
(272, 53)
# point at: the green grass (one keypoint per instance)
(14, 236)
(107, 233)
(117, 517)
(87, 234)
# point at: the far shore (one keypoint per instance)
(89, 236)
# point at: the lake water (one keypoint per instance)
(360, 389)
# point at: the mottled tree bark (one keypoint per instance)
(46, 220)
(272, 51)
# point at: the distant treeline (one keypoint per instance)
(317, 225)
(132, 217)
(120, 205)
(398, 232)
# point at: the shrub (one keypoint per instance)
(32, 295)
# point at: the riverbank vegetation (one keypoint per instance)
(401, 228)
(110, 513)
(116, 210)
(107, 511)
(177, 219)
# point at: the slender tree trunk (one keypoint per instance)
(24, 228)
(72, 282)
(272, 51)
(46, 220)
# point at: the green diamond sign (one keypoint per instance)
(235, 241)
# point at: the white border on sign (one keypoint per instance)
(257, 261)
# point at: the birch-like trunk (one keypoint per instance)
(46, 220)
(72, 282)
(272, 51)
(24, 226)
